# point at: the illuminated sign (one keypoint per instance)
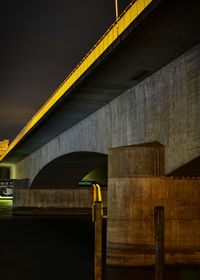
(88, 183)
(6, 188)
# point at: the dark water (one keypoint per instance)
(60, 248)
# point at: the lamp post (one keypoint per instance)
(116, 9)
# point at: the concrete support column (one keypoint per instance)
(132, 197)
(123, 164)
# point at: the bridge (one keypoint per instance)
(130, 108)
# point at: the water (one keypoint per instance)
(60, 248)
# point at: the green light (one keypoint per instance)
(85, 183)
(5, 203)
(6, 198)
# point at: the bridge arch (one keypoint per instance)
(67, 170)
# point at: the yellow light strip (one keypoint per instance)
(5, 198)
(94, 199)
(94, 193)
(125, 19)
(100, 198)
(99, 193)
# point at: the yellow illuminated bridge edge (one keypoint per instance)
(122, 22)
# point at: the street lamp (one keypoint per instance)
(116, 9)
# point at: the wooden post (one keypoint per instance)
(159, 242)
(98, 242)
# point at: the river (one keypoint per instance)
(45, 248)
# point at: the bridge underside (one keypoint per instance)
(66, 171)
(190, 169)
(165, 30)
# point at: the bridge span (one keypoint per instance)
(129, 109)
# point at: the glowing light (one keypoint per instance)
(99, 192)
(96, 197)
(6, 198)
(3, 146)
(5, 203)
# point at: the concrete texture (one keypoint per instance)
(69, 201)
(4, 173)
(163, 108)
(164, 31)
(142, 159)
(21, 184)
(130, 225)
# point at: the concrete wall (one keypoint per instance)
(130, 226)
(4, 173)
(68, 201)
(163, 108)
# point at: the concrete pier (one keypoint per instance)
(130, 239)
(132, 198)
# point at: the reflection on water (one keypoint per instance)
(181, 273)
(46, 248)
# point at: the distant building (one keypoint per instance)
(4, 171)
(3, 146)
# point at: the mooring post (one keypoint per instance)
(159, 242)
(98, 241)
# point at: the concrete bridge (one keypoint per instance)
(139, 84)
(142, 87)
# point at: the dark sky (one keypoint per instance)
(41, 43)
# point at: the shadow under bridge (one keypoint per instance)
(67, 170)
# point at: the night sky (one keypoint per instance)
(41, 43)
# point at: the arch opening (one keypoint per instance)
(68, 170)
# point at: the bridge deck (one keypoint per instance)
(116, 29)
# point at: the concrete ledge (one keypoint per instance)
(55, 202)
(54, 211)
